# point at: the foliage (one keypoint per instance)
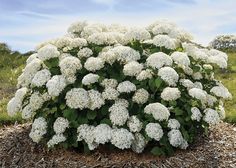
(128, 88)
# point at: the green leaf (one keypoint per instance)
(86, 149)
(105, 121)
(158, 82)
(82, 120)
(196, 68)
(104, 110)
(173, 103)
(62, 106)
(178, 111)
(53, 62)
(74, 124)
(70, 114)
(185, 133)
(152, 85)
(91, 115)
(157, 151)
(53, 110)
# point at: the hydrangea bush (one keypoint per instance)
(121, 87)
(224, 42)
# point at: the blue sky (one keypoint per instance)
(25, 23)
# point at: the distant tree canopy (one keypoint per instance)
(4, 48)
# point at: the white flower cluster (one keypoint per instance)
(158, 110)
(139, 81)
(118, 114)
(170, 94)
(69, 66)
(39, 128)
(158, 60)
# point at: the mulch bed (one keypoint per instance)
(216, 150)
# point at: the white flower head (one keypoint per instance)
(77, 98)
(36, 101)
(158, 110)
(126, 54)
(198, 94)
(27, 112)
(118, 114)
(39, 128)
(139, 34)
(86, 133)
(169, 75)
(41, 78)
(60, 125)
(158, 60)
(165, 41)
(96, 100)
(94, 64)
(197, 76)
(180, 58)
(140, 96)
(196, 114)
(211, 116)
(173, 124)
(85, 53)
(187, 83)
(29, 72)
(134, 124)
(154, 131)
(21, 93)
(31, 58)
(56, 139)
(56, 85)
(139, 143)
(13, 106)
(90, 79)
(109, 83)
(126, 87)
(144, 74)
(110, 94)
(102, 133)
(211, 100)
(170, 94)
(175, 138)
(218, 60)
(108, 56)
(122, 102)
(122, 138)
(69, 66)
(132, 68)
(221, 91)
(47, 52)
(77, 27)
(77, 43)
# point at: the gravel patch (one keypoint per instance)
(215, 151)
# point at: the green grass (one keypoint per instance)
(229, 80)
(11, 65)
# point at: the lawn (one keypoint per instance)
(229, 80)
(12, 63)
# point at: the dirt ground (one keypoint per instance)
(216, 151)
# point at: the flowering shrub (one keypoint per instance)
(129, 88)
(224, 42)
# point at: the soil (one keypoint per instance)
(215, 151)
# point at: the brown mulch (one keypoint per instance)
(217, 150)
